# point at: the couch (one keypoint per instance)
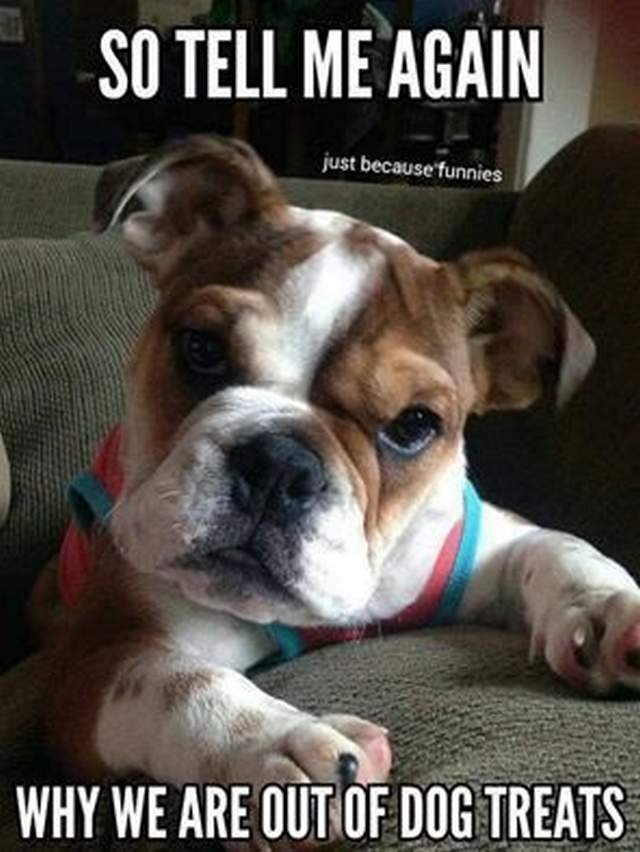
(463, 704)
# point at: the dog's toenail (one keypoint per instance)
(632, 658)
(347, 769)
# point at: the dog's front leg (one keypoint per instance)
(179, 719)
(129, 697)
(582, 609)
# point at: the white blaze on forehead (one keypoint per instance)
(317, 303)
(324, 292)
(319, 300)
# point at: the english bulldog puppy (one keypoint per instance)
(291, 471)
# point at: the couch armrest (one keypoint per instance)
(578, 220)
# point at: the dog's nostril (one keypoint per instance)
(241, 493)
(299, 486)
(276, 474)
(305, 483)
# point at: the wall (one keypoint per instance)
(616, 84)
(570, 47)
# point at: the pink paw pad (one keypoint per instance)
(378, 752)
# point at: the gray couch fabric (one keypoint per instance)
(69, 310)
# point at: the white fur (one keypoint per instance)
(317, 302)
(557, 588)
(407, 561)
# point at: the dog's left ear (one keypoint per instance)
(194, 191)
(520, 331)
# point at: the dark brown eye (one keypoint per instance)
(202, 353)
(411, 431)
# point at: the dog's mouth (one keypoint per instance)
(240, 573)
(248, 567)
(236, 557)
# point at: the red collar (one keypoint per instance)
(417, 614)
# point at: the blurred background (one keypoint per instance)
(50, 107)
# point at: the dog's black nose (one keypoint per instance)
(277, 475)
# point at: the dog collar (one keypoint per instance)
(437, 603)
(91, 497)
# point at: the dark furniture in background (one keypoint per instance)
(53, 110)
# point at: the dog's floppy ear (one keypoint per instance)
(196, 188)
(520, 331)
(114, 182)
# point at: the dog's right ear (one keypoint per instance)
(520, 331)
(194, 191)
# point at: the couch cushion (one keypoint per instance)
(462, 705)
(440, 222)
(45, 199)
(69, 310)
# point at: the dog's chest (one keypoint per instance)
(220, 638)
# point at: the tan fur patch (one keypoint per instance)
(181, 687)
(244, 724)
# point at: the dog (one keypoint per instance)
(291, 471)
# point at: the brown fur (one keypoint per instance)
(109, 626)
(179, 687)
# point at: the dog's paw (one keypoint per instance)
(593, 641)
(335, 749)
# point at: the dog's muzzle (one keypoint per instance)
(276, 477)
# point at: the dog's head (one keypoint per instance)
(298, 398)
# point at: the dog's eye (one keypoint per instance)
(202, 353)
(411, 431)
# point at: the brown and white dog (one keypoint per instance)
(293, 452)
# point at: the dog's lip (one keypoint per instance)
(240, 558)
(245, 561)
